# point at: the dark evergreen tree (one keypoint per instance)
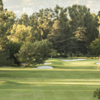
(23, 19)
(14, 47)
(4, 27)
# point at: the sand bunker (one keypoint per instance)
(98, 63)
(44, 67)
(47, 63)
(74, 60)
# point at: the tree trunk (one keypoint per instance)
(61, 54)
(65, 52)
(51, 56)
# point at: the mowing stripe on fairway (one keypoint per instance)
(53, 83)
(44, 90)
(28, 69)
(60, 82)
(85, 80)
(2, 81)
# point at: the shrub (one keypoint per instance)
(35, 53)
(14, 47)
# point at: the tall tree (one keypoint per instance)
(41, 24)
(98, 28)
(60, 30)
(24, 19)
(91, 27)
(5, 24)
(81, 18)
(35, 31)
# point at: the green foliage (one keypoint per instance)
(53, 52)
(1, 5)
(20, 33)
(70, 29)
(74, 34)
(91, 25)
(6, 21)
(14, 47)
(4, 58)
(36, 52)
(23, 20)
(84, 24)
(99, 26)
(95, 47)
(68, 54)
(97, 93)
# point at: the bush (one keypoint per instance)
(95, 47)
(35, 53)
(14, 47)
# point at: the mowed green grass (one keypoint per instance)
(67, 81)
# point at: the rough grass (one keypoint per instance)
(67, 81)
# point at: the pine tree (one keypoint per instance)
(99, 25)
(1, 22)
(24, 19)
(1, 6)
(4, 25)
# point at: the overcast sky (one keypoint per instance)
(30, 6)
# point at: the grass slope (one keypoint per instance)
(67, 81)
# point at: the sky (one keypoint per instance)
(30, 6)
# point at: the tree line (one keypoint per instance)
(72, 30)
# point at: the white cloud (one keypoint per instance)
(17, 6)
(76, 1)
(41, 6)
(96, 10)
(4, 0)
(28, 10)
(17, 11)
(36, 5)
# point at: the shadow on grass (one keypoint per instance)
(12, 82)
(11, 85)
(79, 67)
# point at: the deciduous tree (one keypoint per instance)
(35, 53)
